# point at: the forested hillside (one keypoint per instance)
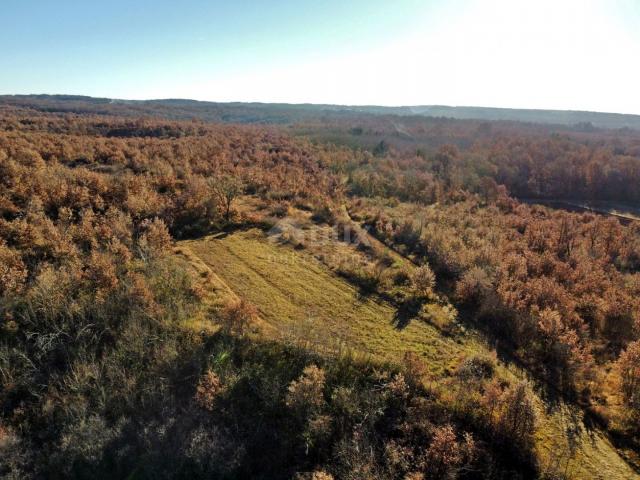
(151, 292)
(283, 113)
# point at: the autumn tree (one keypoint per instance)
(628, 369)
(227, 188)
(446, 455)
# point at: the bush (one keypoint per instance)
(477, 367)
(323, 214)
(208, 389)
(445, 455)
(237, 316)
(13, 272)
(306, 393)
(415, 369)
(517, 419)
(154, 240)
(280, 210)
(474, 286)
(423, 281)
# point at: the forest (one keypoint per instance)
(103, 375)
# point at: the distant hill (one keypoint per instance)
(283, 113)
(559, 117)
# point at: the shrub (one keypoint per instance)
(321, 475)
(414, 476)
(154, 240)
(415, 369)
(13, 272)
(477, 367)
(306, 393)
(473, 287)
(517, 419)
(398, 387)
(315, 475)
(322, 213)
(280, 210)
(208, 389)
(445, 455)
(407, 235)
(317, 431)
(237, 316)
(423, 281)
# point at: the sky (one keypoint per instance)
(555, 54)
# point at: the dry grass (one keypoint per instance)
(301, 298)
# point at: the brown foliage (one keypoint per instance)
(423, 281)
(208, 389)
(237, 316)
(446, 455)
(553, 286)
(415, 369)
(13, 272)
(628, 369)
(306, 393)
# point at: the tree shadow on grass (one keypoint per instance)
(407, 311)
(217, 231)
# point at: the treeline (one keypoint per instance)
(568, 169)
(553, 168)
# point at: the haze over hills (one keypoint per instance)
(279, 113)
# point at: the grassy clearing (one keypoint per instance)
(300, 299)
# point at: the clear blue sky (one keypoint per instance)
(577, 54)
